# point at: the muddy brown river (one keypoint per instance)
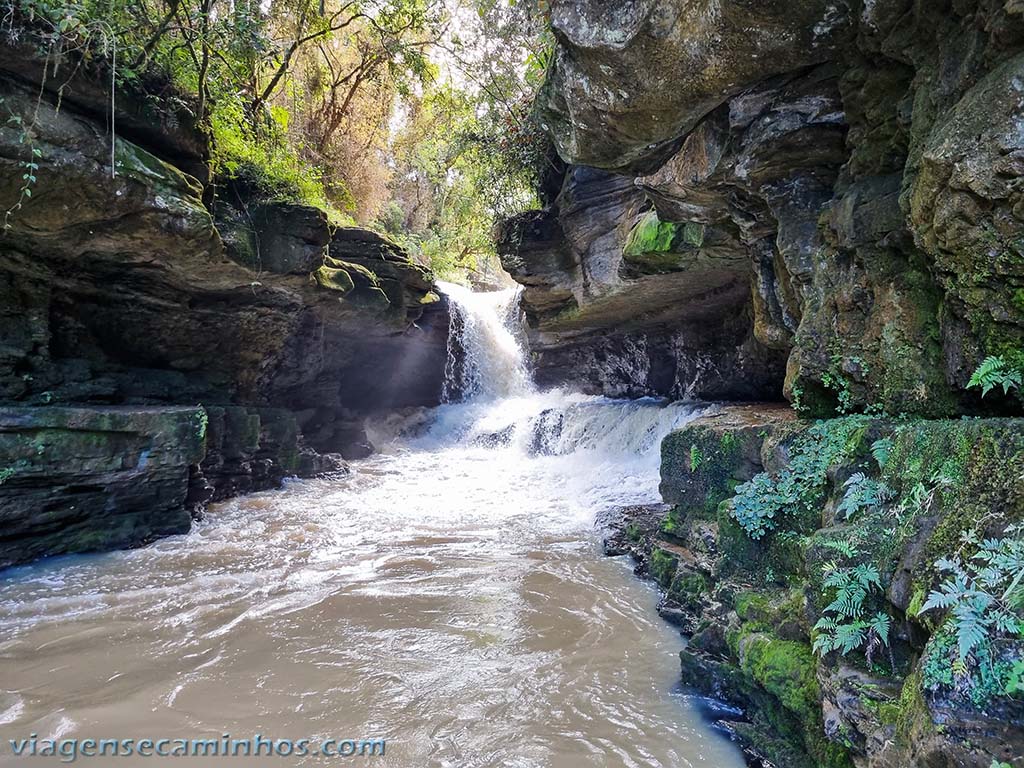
(448, 597)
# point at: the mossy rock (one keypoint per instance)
(651, 235)
(773, 559)
(971, 471)
(702, 463)
(688, 587)
(662, 567)
(787, 670)
(334, 279)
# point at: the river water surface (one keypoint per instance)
(448, 595)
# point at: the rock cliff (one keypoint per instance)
(121, 289)
(816, 201)
(762, 532)
(829, 186)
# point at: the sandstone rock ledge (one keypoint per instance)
(87, 479)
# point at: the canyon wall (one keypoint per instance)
(128, 291)
(817, 199)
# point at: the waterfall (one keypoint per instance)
(490, 404)
(485, 358)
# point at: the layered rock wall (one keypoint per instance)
(843, 174)
(121, 288)
(754, 602)
(833, 187)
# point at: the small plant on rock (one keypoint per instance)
(881, 450)
(863, 494)
(984, 594)
(795, 493)
(977, 652)
(847, 623)
(993, 372)
(695, 458)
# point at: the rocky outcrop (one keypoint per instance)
(87, 479)
(631, 78)
(619, 304)
(767, 517)
(118, 287)
(855, 165)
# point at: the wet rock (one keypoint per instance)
(858, 168)
(90, 479)
(253, 449)
(164, 126)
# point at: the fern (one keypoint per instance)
(881, 450)
(863, 493)
(846, 624)
(845, 548)
(993, 372)
(984, 595)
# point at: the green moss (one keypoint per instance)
(688, 587)
(334, 279)
(650, 235)
(752, 606)
(786, 670)
(663, 567)
(633, 532)
(1017, 299)
(672, 526)
(693, 234)
(965, 472)
(887, 712)
(912, 716)
(704, 460)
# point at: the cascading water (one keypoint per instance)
(448, 595)
(485, 359)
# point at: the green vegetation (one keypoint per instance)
(663, 567)
(986, 592)
(414, 115)
(794, 494)
(846, 623)
(836, 380)
(695, 458)
(651, 235)
(862, 494)
(29, 166)
(978, 648)
(993, 372)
